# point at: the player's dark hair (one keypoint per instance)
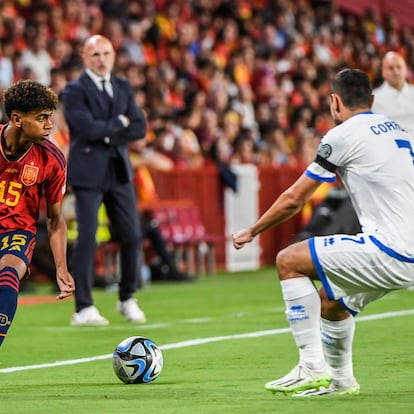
(28, 95)
(354, 88)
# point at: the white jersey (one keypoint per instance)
(374, 157)
(398, 105)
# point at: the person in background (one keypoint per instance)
(103, 119)
(373, 157)
(160, 260)
(395, 96)
(30, 165)
(36, 59)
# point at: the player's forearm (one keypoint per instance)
(58, 241)
(278, 213)
(289, 203)
(281, 210)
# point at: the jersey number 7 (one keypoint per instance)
(402, 143)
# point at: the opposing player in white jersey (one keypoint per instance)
(373, 156)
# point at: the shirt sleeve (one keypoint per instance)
(330, 156)
(55, 185)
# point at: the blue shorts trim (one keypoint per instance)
(319, 269)
(19, 243)
(324, 280)
(352, 312)
(390, 251)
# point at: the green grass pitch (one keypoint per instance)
(222, 338)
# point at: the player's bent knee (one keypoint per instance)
(284, 264)
(295, 261)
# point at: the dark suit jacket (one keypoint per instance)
(90, 127)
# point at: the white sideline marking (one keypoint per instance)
(197, 320)
(200, 341)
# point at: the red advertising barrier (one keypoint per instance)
(203, 187)
(273, 181)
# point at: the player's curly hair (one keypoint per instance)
(28, 95)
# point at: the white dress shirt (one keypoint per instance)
(98, 81)
(397, 105)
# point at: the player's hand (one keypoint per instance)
(242, 237)
(66, 285)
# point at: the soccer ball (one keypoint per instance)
(137, 360)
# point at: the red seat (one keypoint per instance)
(204, 243)
(183, 229)
(176, 236)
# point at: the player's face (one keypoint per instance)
(36, 125)
(99, 56)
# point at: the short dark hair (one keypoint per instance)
(28, 95)
(354, 88)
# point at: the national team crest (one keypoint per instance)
(29, 175)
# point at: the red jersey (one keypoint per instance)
(23, 180)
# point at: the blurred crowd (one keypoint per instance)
(228, 81)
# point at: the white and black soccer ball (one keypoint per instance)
(137, 360)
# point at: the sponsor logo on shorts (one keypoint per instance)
(328, 241)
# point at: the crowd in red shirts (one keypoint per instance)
(247, 81)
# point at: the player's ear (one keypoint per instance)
(335, 102)
(16, 119)
(371, 101)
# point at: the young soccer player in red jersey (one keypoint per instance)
(30, 165)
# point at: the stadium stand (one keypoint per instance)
(251, 72)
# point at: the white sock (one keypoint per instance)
(303, 309)
(337, 338)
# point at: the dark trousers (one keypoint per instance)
(120, 203)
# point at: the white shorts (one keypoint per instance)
(356, 270)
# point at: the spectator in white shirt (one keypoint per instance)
(395, 97)
(37, 58)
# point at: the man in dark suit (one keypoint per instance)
(103, 118)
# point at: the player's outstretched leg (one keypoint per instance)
(9, 288)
